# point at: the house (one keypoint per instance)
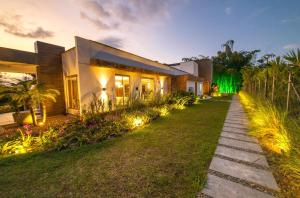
(92, 69)
(199, 76)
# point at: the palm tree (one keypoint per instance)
(30, 94)
(293, 57)
(228, 47)
(275, 69)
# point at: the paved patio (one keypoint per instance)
(239, 168)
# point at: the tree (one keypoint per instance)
(228, 47)
(30, 94)
(227, 67)
(293, 57)
(276, 66)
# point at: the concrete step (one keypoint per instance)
(244, 172)
(238, 136)
(240, 144)
(242, 155)
(221, 188)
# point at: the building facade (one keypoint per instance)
(93, 70)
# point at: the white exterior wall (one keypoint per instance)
(190, 67)
(70, 68)
(92, 79)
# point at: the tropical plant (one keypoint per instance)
(31, 95)
(293, 57)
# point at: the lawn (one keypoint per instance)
(168, 158)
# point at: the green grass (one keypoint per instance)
(168, 158)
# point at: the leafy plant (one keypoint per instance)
(30, 94)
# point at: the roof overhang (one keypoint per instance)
(12, 60)
(6, 66)
(135, 66)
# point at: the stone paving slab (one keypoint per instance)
(222, 188)
(239, 158)
(240, 126)
(237, 117)
(238, 136)
(233, 129)
(240, 144)
(237, 121)
(245, 172)
(242, 155)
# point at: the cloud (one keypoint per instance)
(290, 20)
(228, 10)
(291, 46)
(14, 25)
(112, 41)
(96, 8)
(259, 11)
(105, 14)
(97, 22)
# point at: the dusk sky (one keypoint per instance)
(163, 30)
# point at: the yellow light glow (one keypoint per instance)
(41, 123)
(137, 122)
(161, 85)
(119, 84)
(164, 111)
(103, 82)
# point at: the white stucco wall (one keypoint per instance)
(190, 67)
(92, 79)
(70, 68)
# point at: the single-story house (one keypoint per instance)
(92, 69)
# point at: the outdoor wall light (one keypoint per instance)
(103, 89)
(136, 88)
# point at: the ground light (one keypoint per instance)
(137, 121)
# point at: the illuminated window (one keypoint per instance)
(147, 88)
(73, 99)
(122, 89)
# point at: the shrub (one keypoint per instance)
(163, 110)
(279, 134)
(26, 142)
(269, 125)
(95, 126)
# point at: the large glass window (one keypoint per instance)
(122, 89)
(147, 88)
(73, 98)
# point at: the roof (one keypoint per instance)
(102, 52)
(17, 56)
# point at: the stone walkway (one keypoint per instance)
(238, 168)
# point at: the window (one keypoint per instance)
(122, 89)
(147, 88)
(73, 98)
(191, 89)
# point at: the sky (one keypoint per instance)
(162, 30)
